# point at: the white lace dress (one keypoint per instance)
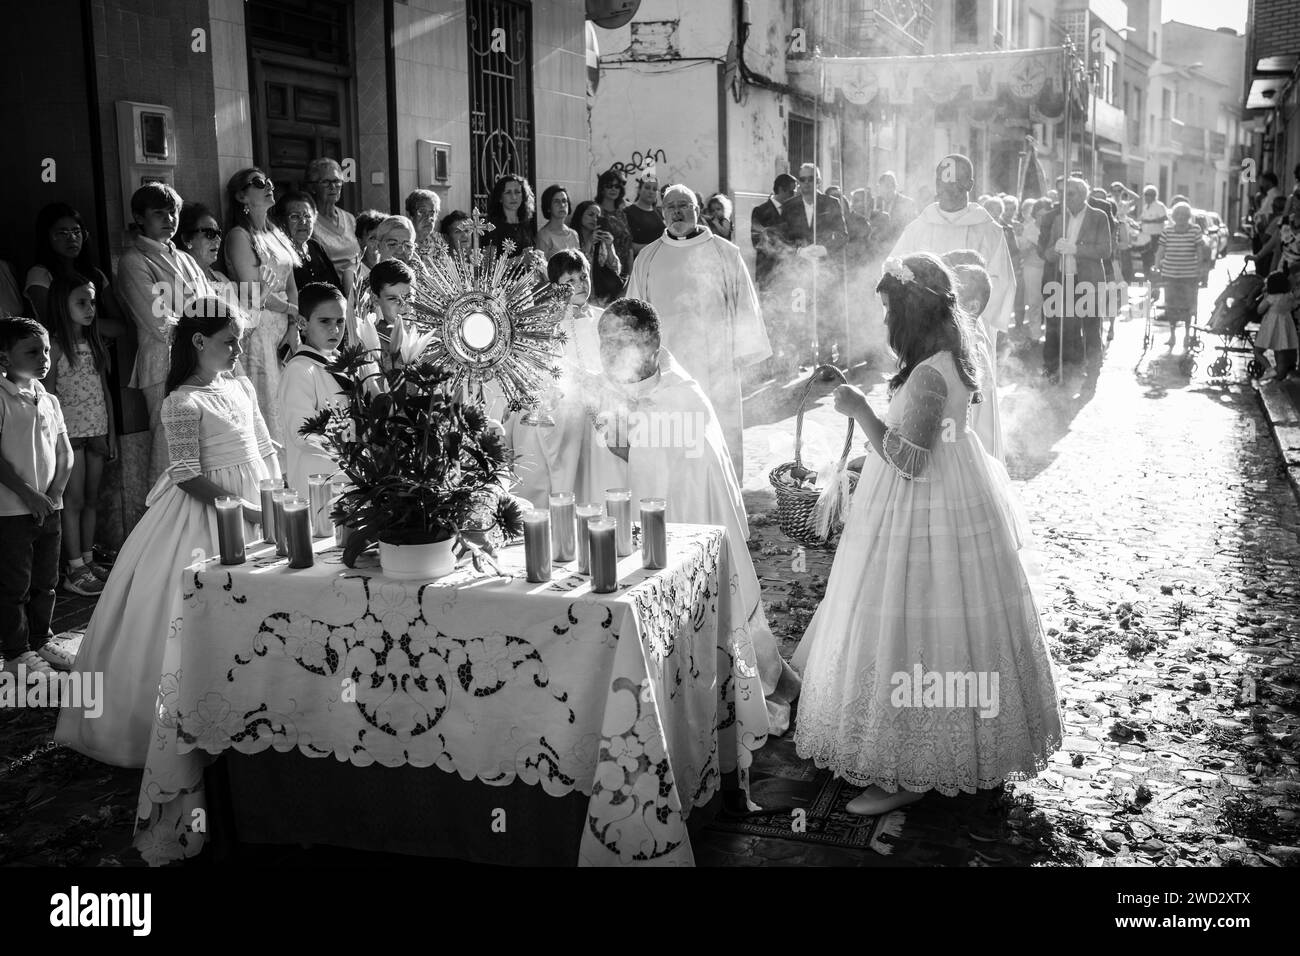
(929, 585)
(215, 432)
(267, 327)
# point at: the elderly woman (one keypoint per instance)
(296, 215)
(457, 231)
(395, 239)
(422, 208)
(1180, 260)
(335, 229)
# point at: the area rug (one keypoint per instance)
(825, 821)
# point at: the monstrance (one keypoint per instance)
(489, 318)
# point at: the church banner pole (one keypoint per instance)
(1069, 132)
(817, 156)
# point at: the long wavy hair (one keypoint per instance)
(526, 209)
(235, 216)
(63, 330)
(611, 177)
(575, 218)
(924, 319)
(206, 316)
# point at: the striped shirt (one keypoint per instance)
(1180, 252)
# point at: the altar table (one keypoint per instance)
(640, 700)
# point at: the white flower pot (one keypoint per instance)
(411, 562)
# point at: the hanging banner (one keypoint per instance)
(1025, 82)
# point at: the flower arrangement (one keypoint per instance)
(895, 267)
(422, 466)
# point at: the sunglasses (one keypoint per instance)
(210, 234)
(69, 233)
(807, 179)
(257, 182)
(328, 182)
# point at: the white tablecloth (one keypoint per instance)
(639, 699)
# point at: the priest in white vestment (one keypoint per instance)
(708, 308)
(953, 222)
(659, 436)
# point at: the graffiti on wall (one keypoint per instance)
(640, 163)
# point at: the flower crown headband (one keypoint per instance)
(899, 270)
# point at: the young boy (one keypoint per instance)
(35, 462)
(381, 310)
(305, 385)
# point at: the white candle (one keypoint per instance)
(604, 561)
(618, 505)
(230, 529)
(537, 545)
(654, 534)
(563, 544)
(318, 496)
(584, 514)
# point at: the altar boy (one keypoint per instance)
(661, 439)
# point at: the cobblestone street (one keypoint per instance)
(1169, 538)
(1168, 535)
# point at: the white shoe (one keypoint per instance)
(57, 656)
(874, 801)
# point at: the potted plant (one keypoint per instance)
(426, 472)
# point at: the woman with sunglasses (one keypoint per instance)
(200, 235)
(260, 256)
(335, 229)
(611, 189)
(62, 249)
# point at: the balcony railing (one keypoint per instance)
(1192, 139)
(1168, 137)
(1108, 120)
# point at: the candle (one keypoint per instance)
(537, 545)
(277, 500)
(562, 524)
(604, 562)
(654, 534)
(342, 531)
(297, 531)
(318, 497)
(584, 514)
(230, 529)
(618, 505)
(267, 486)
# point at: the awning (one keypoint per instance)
(1269, 79)
(1265, 90)
(1010, 81)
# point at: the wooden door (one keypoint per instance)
(300, 115)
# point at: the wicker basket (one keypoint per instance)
(795, 506)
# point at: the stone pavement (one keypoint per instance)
(1169, 534)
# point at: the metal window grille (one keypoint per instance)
(501, 93)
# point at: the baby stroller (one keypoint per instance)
(1234, 311)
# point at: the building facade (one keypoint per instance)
(1272, 76)
(447, 94)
